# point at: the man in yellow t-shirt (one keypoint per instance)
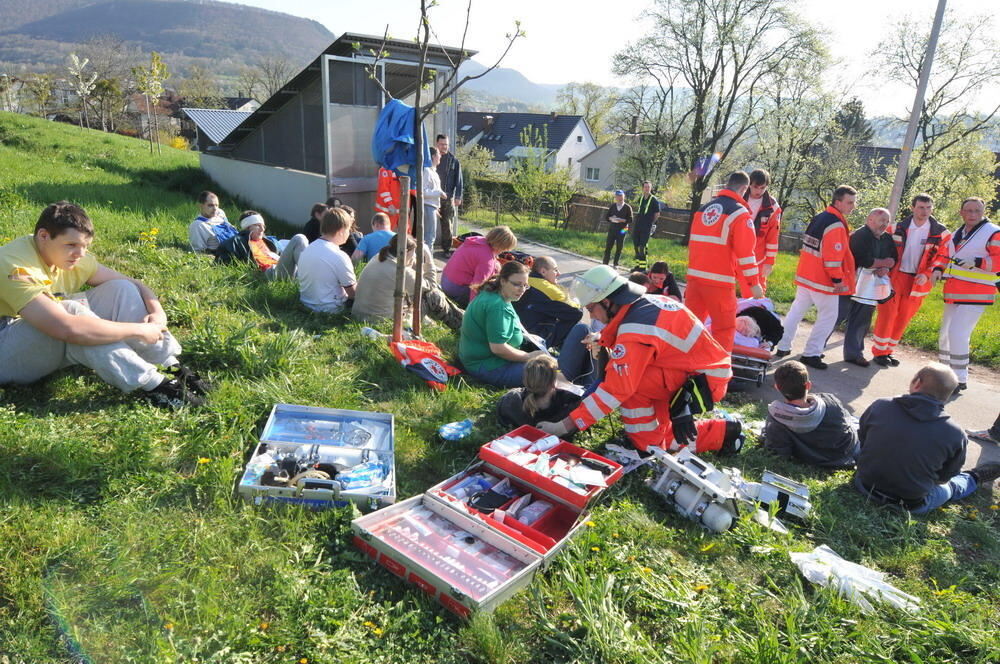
(117, 327)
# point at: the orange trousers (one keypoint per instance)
(715, 302)
(895, 315)
(647, 424)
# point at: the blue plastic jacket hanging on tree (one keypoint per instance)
(392, 141)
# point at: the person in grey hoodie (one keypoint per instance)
(812, 428)
(911, 451)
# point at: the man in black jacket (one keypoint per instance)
(912, 453)
(646, 212)
(874, 255)
(618, 216)
(450, 171)
(812, 428)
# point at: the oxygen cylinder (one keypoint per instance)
(713, 516)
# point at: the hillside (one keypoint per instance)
(508, 86)
(216, 35)
(124, 542)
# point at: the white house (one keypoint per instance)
(569, 137)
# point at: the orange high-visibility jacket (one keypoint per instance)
(654, 341)
(973, 285)
(387, 196)
(825, 258)
(722, 240)
(767, 225)
(933, 255)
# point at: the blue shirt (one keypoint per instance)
(372, 243)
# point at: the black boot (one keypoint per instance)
(986, 472)
(733, 440)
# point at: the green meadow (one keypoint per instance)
(122, 539)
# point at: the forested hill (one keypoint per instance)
(217, 35)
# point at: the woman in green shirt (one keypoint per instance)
(491, 338)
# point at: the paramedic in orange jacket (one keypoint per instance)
(722, 242)
(766, 214)
(921, 257)
(825, 272)
(970, 285)
(663, 365)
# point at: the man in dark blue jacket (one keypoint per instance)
(450, 171)
(912, 453)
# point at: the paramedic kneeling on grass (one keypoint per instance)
(117, 328)
(664, 367)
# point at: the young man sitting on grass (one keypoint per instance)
(211, 228)
(372, 243)
(117, 327)
(811, 428)
(326, 275)
(251, 245)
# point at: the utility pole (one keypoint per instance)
(918, 103)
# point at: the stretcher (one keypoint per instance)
(750, 363)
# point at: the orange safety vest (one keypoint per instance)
(654, 332)
(767, 224)
(387, 196)
(933, 255)
(722, 241)
(973, 285)
(826, 254)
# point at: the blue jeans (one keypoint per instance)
(510, 374)
(430, 225)
(574, 363)
(958, 487)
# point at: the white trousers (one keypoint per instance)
(28, 354)
(956, 329)
(827, 305)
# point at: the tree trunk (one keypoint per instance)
(399, 292)
(149, 125)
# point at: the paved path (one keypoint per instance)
(976, 408)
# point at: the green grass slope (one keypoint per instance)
(123, 541)
(922, 331)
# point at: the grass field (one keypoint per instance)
(123, 542)
(922, 331)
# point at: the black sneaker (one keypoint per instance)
(986, 472)
(893, 361)
(882, 361)
(172, 393)
(813, 361)
(192, 380)
(961, 387)
(782, 353)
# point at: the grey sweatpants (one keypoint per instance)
(288, 260)
(27, 354)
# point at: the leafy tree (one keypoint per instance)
(966, 62)
(150, 84)
(966, 169)
(852, 123)
(533, 175)
(594, 102)
(200, 90)
(40, 90)
(475, 160)
(83, 84)
(704, 63)
(107, 95)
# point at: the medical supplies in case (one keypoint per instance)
(323, 457)
(478, 537)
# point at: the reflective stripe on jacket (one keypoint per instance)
(722, 242)
(933, 255)
(973, 285)
(825, 258)
(653, 335)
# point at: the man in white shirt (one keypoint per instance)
(325, 273)
(921, 256)
(433, 195)
(211, 228)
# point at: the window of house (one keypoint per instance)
(579, 139)
(593, 174)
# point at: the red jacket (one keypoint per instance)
(722, 242)
(651, 338)
(825, 259)
(933, 255)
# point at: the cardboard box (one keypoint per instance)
(335, 440)
(474, 560)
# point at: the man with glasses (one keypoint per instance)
(664, 368)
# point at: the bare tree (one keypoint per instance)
(442, 90)
(274, 73)
(249, 82)
(966, 64)
(706, 60)
(200, 89)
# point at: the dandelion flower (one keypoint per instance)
(708, 547)
(263, 626)
(168, 626)
(377, 631)
(700, 588)
(595, 549)
(647, 570)
(203, 460)
(591, 524)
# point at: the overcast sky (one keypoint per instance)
(574, 40)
